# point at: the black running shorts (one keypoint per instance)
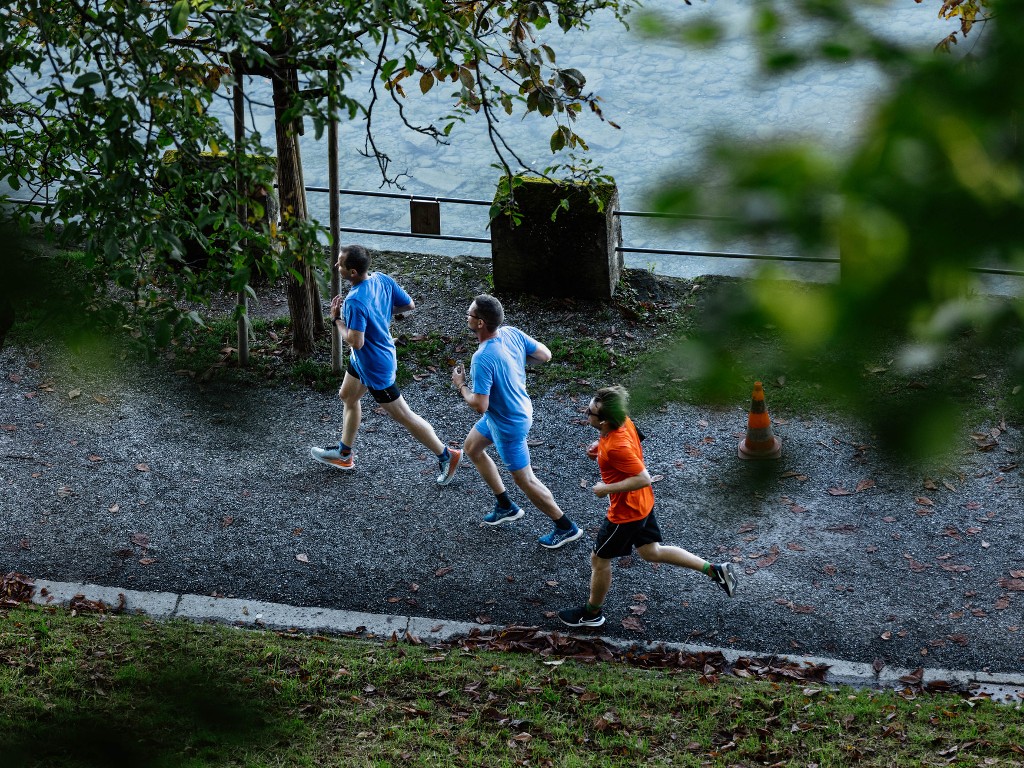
(388, 395)
(618, 539)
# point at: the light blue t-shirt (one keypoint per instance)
(499, 371)
(368, 308)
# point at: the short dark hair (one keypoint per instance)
(612, 405)
(489, 310)
(355, 257)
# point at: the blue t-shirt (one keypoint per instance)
(499, 371)
(368, 307)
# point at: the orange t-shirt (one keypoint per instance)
(620, 457)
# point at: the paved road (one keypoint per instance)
(151, 481)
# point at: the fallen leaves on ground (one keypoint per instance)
(15, 588)
(710, 664)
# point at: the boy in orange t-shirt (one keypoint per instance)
(631, 522)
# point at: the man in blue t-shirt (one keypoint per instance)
(499, 393)
(364, 320)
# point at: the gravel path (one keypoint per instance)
(142, 479)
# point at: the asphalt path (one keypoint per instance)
(145, 480)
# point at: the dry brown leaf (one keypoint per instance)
(633, 623)
(770, 558)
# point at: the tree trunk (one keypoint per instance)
(293, 208)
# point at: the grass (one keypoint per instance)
(112, 690)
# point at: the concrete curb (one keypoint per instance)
(254, 614)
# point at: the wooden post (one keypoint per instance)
(241, 189)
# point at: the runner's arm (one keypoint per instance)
(540, 355)
(354, 339)
(478, 403)
(634, 483)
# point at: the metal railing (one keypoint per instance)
(618, 213)
(620, 248)
(400, 196)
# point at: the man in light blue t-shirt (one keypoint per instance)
(364, 320)
(499, 393)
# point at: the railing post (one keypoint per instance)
(335, 208)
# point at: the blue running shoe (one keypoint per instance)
(556, 538)
(497, 516)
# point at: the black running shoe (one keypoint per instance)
(724, 575)
(580, 617)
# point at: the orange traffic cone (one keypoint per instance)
(760, 442)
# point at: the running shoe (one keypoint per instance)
(332, 457)
(724, 575)
(557, 537)
(497, 516)
(580, 617)
(448, 466)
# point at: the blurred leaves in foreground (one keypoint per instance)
(929, 197)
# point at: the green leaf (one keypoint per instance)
(545, 104)
(572, 80)
(179, 16)
(560, 138)
(89, 78)
(388, 69)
